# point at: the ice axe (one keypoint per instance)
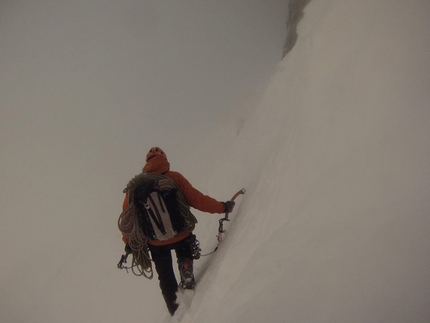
(225, 218)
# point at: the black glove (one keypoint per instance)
(127, 248)
(229, 205)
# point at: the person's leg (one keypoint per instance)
(162, 257)
(185, 263)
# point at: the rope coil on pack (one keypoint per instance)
(129, 225)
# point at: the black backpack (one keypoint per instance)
(159, 213)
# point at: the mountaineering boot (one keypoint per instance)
(187, 276)
(172, 307)
(187, 281)
(171, 303)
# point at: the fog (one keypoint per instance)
(86, 88)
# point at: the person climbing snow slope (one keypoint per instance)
(182, 242)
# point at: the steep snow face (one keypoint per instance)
(335, 224)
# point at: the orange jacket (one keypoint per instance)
(193, 197)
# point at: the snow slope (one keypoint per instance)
(335, 224)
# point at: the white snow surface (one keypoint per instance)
(335, 224)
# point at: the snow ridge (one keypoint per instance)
(334, 226)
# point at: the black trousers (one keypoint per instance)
(162, 256)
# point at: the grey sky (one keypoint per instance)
(135, 63)
(87, 86)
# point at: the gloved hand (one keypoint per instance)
(229, 205)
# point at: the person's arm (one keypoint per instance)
(194, 197)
